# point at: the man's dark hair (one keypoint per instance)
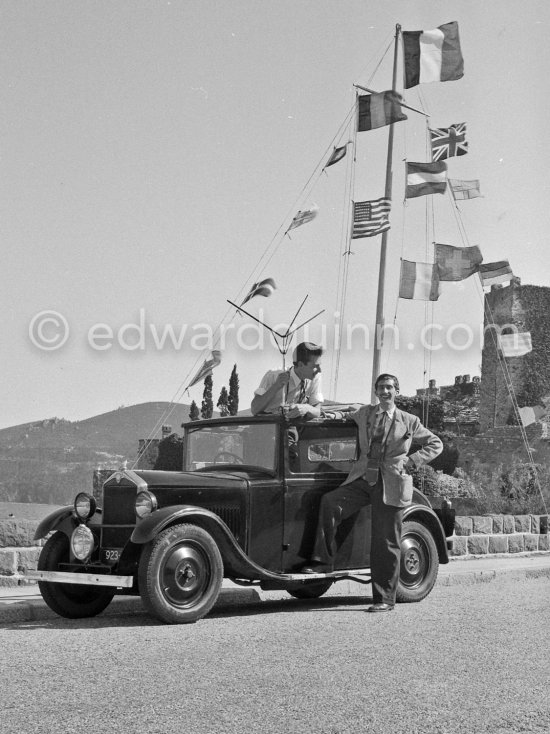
(305, 351)
(386, 376)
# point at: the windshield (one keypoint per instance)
(248, 444)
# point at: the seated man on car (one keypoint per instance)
(298, 388)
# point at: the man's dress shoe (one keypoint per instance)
(380, 607)
(315, 567)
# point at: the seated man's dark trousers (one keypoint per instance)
(387, 522)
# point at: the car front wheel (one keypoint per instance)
(73, 601)
(180, 574)
(419, 562)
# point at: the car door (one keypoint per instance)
(318, 458)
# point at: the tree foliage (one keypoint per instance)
(429, 410)
(194, 412)
(207, 407)
(233, 397)
(223, 402)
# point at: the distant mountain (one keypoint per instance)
(50, 460)
(117, 431)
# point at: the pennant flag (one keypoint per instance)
(336, 155)
(370, 217)
(515, 345)
(207, 368)
(448, 141)
(377, 110)
(426, 178)
(432, 56)
(493, 273)
(263, 288)
(419, 281)
(303, 217)
(464, 189)
(457, 263)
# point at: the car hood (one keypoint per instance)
(202, 480)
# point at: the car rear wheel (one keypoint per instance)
(419, 562)
(72, 601)
(180, 574)
(310, 589)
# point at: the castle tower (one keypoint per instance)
(521, 308)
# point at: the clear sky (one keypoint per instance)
(153, 151)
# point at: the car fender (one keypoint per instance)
(236, 563)
(427, 517)
(61, 519)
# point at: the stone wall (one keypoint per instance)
(490, 534)
(475, 535)
(503, 445)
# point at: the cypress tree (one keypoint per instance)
(233, 398)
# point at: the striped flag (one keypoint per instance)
(432, 56)
(379, 109)
(448, 141)
(370, 217)
(419, 281)
(303, 217)
(493, 273)
(426, 178)
(263, 288)
(207, 367)
(515, 345)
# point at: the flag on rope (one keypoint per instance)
(432, 56)
(370, 217)
(515, 345)
(493, 273)
(535, 413)
(336, 155)
(464, 189)
(303, 217)
(379, 109)
(457, 263)
(426, 178)
(419, 281)
(207, 367)
(262, 288)
(448, 141)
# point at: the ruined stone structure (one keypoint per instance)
(527, 309)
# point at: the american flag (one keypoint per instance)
(370, 217)
(448, 141)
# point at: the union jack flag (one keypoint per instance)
(448, 141)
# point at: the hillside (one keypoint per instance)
(50, 460)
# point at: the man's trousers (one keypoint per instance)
(387, 522)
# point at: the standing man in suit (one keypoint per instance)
(379, 477)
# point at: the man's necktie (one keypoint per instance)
(375, 449)
(302, 393)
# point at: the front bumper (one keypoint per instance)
(84, 579)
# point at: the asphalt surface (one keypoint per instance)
(24, 603)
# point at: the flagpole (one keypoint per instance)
(383, 248)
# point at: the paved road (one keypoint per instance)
(469, 658)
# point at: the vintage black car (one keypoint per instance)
(243, 507)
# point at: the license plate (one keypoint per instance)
(110, 555)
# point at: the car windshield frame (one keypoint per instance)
(239, 445)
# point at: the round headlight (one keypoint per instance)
(82, 542)
(146, 503)
(84, 506)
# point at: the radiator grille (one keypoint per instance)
(118, 505)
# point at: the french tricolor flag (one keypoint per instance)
(432, 56)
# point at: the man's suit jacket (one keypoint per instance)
(399, 435)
